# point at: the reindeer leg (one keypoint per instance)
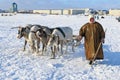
(66, 47)
(61, 48)
(43, 48)
(25, 45)
(32, 45)
(53, 52)
(73, 46)
(37, 46)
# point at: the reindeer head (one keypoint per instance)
(21, 31)
(39, 33)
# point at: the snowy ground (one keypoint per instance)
(18, 65)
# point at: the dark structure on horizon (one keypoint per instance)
(14, 7)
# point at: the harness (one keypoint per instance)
(61, 31)
(34, 33)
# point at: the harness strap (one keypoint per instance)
(61, 31)
(33, 31)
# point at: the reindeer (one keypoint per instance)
(33, 38)
(23, 32)
(60, 36)
(44, 35)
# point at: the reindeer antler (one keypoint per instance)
(16, 27)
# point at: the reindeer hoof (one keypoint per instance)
(52, 58)
(23, 50)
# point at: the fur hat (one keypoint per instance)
(90, 16)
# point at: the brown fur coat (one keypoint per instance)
(92, 33)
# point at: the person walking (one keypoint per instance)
(94, 35)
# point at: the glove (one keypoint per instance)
(77, 43)
(79, 38)
(102, 40)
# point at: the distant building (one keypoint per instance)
(57, 12)
(105, 12)
(101, 12)
(14, 7)
(41, 11)
(114, 12)
(66, 12)
(26, 11)
(51, 11)
(62, 11)
(2, 11)
(77, 11)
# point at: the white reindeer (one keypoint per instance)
(60, 36)
(33, 39)
(23, 32)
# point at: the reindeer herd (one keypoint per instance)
(54, 38)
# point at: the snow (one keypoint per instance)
(18, 65)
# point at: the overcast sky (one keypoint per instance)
(60, 4)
